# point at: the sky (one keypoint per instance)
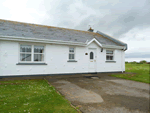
(126, 20)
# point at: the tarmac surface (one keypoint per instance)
(100, 93)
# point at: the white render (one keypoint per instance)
(56, 57)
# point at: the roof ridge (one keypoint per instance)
(44, 25)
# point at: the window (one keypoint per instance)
(109, 55)
(71, 54)
(31, 53)
(38, 53)
(91, 55)
(25, 53)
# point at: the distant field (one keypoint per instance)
(141, 70)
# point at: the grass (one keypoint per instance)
(31, 96)
(141, 70)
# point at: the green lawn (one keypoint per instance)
(141, 70)
(31, 96)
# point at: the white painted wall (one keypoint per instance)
(102, 66)
(56, 57)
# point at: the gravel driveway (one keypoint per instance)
(103, 93)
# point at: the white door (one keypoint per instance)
(92, 60)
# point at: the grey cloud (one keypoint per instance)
(65, 23)
(137, 55)
(112, 17)
(84, 25)
(132, 19)
(125, 16)
(58, 10)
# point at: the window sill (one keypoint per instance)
(31, 64)
(71, 61)
(110, 61)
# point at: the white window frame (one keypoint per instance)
(72, 53)
(26, 52)
(110, 54)
(38, 54)
(32, 53)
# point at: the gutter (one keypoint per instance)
(41, 40)
(23, 39)
(111, 46)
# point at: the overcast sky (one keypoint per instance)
(126, 20)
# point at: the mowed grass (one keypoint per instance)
(31, 96)
(141, 70)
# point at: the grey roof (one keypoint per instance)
(27, 30)
(113, 39)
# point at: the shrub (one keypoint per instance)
(139, 63)
(143, 62)
(134, 62)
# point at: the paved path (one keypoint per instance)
(76, 93)
(103, 94)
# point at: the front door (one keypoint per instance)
(92, 60)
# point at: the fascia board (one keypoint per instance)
(111, 46)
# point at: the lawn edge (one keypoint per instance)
(79, 111)
(129, 79)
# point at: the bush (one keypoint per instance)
(139, 63)
(143, 62)
(134, 62)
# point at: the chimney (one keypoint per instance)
(91, 30)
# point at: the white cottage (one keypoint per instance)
(31, 49)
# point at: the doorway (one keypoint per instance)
(92, 59)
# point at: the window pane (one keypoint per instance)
(107, 57)
(38, 49)
(71, 49)
(109, 52)
(38, 57)
(25, 57)
(22, 49)
(25, 48)
(28, 57)
(111, 57)
(22, 57)
(71, 56)
(91, 55)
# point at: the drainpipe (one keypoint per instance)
(121, 61)
(125, 48)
